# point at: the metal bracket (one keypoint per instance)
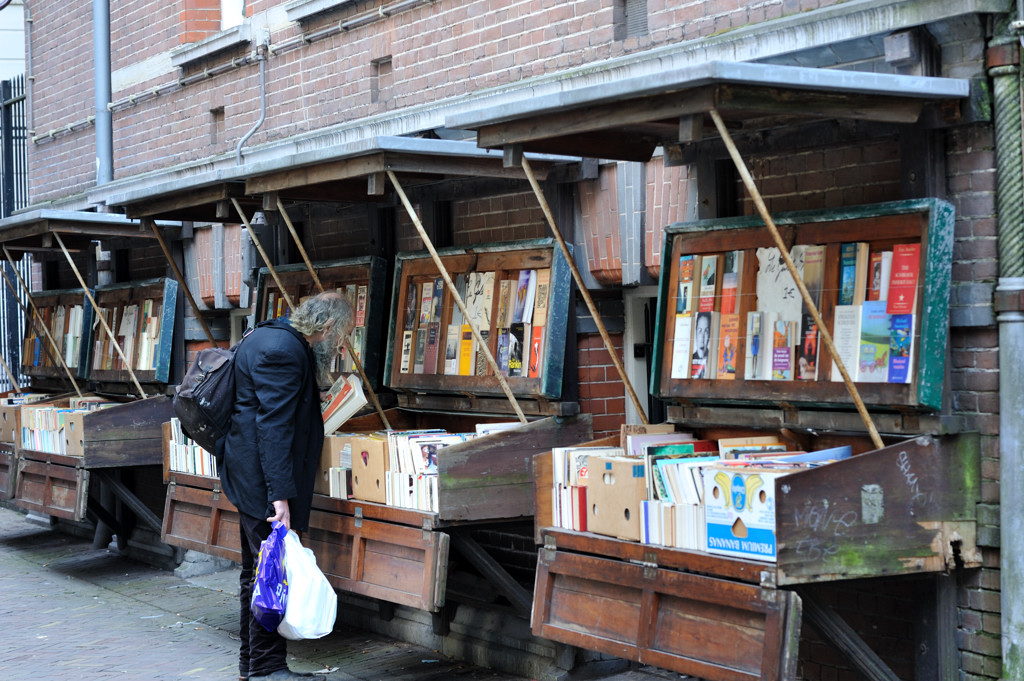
(428, 529)
(768, 580)
(358, 515)
(650, 564)
(171, 484)
(550, 546)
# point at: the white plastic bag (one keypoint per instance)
(312, 603)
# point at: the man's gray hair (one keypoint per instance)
(314, 313)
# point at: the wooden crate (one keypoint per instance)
(52, 484)
(8, 471)
(671, 607)
(125, 435)
(198, 516)
(928, 222)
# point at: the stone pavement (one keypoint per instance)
(74, 613)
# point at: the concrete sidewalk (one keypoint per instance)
(76, 613)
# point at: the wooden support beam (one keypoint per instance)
(129, 499)
(181, 280)
(520, 598)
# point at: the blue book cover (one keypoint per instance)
(847, 272)
(874, 342)
(901, 340)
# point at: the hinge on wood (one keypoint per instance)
(358, 516)
(170, 487)
(650, 564)
(550, 546)
(428, 529)
(768, 580)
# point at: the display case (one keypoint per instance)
(361, 280)
(67, 317)
(893, 368)
(142, 316)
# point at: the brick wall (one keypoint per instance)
(440, 50)
(601, 391)
(974, 382)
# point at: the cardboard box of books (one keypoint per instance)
(616, 488)
(336, 453)
(369, 465)
(739, 508)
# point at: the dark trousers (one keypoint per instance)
(261, 652)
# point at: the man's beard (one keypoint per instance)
(325, 351)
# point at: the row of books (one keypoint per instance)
(44, 427)
(137, 331)
(780, 338)
(517, 319)
(672, 473)
(64, 323)
(188, 457)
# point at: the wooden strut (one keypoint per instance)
(348, 345)
(181, 280)
(29, 314)
(581, 287)
(96, 309)
(455, 295)
(762, 209)
(39, 318)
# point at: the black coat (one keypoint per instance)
(272, 451)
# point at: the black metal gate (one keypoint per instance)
(13, 196)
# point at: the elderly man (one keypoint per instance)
(272, 451)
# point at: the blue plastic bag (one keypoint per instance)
(270, 588)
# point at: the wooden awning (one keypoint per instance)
(341, 174)
(627, 119)
(34, 230)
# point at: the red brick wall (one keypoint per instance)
(668, 190)
(601, 391)
(599, 210)
(440, 50)
(198, 19)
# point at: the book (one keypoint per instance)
(419, 350)
(681, 359)
(883, 293)
(702, 362)
(728, 340)
(437, 297)
(732, 447)
(536, 351)
(873, 355)
(467, 360)
(426, 301)
(853, 272)
(846, 338)
(732, 272)
(406, 351)
(807, 347)
(539, 323)
(451, 350)
(361, 294)
(519, 296)
(517, 337)
(708, 283)
(782, 350)
(685, 296)
(485, 307)
(901, 344)
(754, 354)
(344, 399)
(902, 292)
(777, 292)
(874, 286)
(430, 354)
(460, 287)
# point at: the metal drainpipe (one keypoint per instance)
(1006, 88)
(101, 88)
(261, 56)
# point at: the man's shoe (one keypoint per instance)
(289, 675)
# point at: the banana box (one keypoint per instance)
(739, 509)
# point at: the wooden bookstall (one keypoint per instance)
(908, 508)
(124, 436)
(400, 555)
(67, 316)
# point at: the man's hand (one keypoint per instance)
(282, 514)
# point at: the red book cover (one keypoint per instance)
(536, 346)
(906, 266)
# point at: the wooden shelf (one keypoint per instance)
(38, 356)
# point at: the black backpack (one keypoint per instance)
(206, 396)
